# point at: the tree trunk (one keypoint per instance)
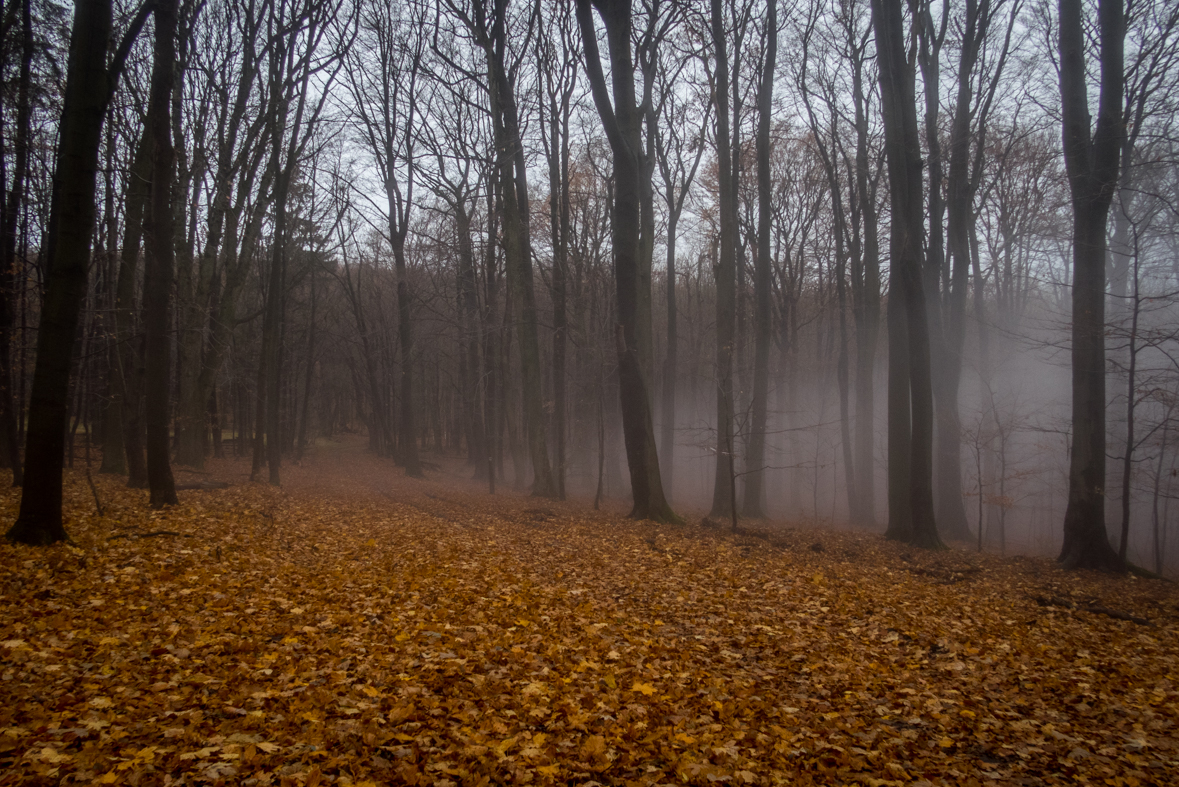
(71, 222)
(158, 262)
(622, 123)
(271, 377)
(866, 312)
(726, 277)
(762, 284)
(124, 403)
(1092, 165)
(518, 253)
(301, 440)
(468, 300)
(408, 437)
(670, 361)
(13, 203)
(903, 152)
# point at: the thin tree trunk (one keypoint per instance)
(1131, 402)
(301, 440)
(670, 363)
(754, 482)
(726, 273)
(866, 313)
(408, 437)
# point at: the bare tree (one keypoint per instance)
(679, 139)
(910, 400)
(754, 489)
(90, 83)
(383, 77)
(13, 201)
(1091, 157)
(158, 265)
(622, 121)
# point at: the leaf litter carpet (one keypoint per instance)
(357, 627)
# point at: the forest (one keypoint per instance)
(858, 264)
(610, 392)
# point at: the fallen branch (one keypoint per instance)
(89, 480)
(152, 534)
(947, 576)
(1054, 601)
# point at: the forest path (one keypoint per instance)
(359, 627)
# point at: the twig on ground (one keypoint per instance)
(152, 534)
(1054, 601)
(93, 490)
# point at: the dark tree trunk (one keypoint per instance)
(622, 123)
(468, 301)
(903, 152)
(1092, 165)
(518, 247)
(948, 501)
(14, 201)
(88, 90)
(866, 310)
(670, 361)
(559, 88)
(408, 436)
(301, 440)
(754, 483)
(158, 265)
(122, 382)
(726, 278)
(271, 361)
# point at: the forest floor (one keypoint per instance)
(359, 627)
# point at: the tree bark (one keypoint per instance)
(763, 329)
(726, 276)
(518, 249)
(903, 152)
(13, 203)
(89, 85)
(622, 122)
(1092, 166)
(158, 263)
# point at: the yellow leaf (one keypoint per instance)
(548, 770)
(372, 542)
(945, 743)
(610, 680)
(645, 688)
(969, 714)
(49, 754)
(594, 746)
(372, 692)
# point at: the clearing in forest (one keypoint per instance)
(358, 627)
